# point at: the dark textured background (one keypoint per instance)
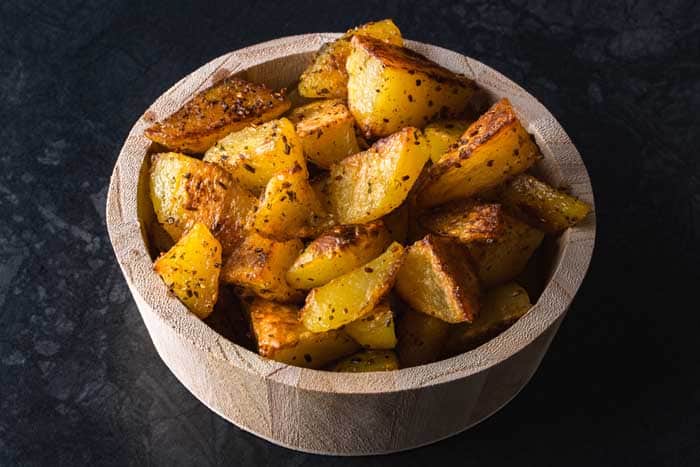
(80, 382)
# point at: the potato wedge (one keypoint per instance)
(506, 257)
(191, 269)
(371, 184)
(437, 279)
(465, 220)
(288, 208)
(352, 295)
(375, 330)
(493, 149)
(397, 223)
(502, 306)
(229, 105)
(368, 360)
(443, 134)
(391, 87)
(552, 209)
(326, 76)
(337, 252)
(260, 264)
(421, 338)
(185, 190)
(254, 154)
(327, 131)
(280, 336)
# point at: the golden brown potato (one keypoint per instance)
(337, 252)
(465, 220)
(443, 134)
(506, 257)
(502, 306)
(327, 131)
(352, 295)
(260, 264)
(289, 208)
(326, 76)
(371, 184)
(421, 338)
(254, 154)
(229, 105)
(376, 329)
(368, 360)
(493, 149)
(185, 190)
(397, 223)
(437, 279)
(281, 336)
(191, 269)
(552, 209)
(391, 87)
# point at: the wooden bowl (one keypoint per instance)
(344, 413)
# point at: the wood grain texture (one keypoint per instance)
(337, 413)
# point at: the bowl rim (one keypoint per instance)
(150, 293)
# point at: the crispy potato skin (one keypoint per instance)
(391, 87)
(437, 279)
(327, 131)
(185, 190)
(443, 134)
(493, 149)
(502, 306)
(552, 210)
(227, 106)
(368, 185)
(352, 295)
(465, 220)
(326, 76)
(506, 257)
(368, 360)
(397, 223)
(421, 338)
(254, 155)
(191, 269)
(259, 265)
(280, 336)
(376, 329)
(336, 252)
(289, 208)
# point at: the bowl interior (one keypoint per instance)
(561, 166)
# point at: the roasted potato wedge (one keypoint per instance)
(260, 264)
(375, 330)
(280, 336)
(327, 131)
(421, 338)
(493, 149)
(289, 208)
(185, 190)
(391, 87)
(191, 269)
(552, 209)
(326, 76)
(465, 220)
(502, 306)
(443, 134)
(437, 279)
(397, 223)
(337, 252)
(254, 154)
(229, 105)
(368, 185)
(352, 295)
(368, 360)
(504, 258)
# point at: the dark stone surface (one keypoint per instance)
(80, 382)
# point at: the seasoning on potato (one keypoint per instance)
(375, 228)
